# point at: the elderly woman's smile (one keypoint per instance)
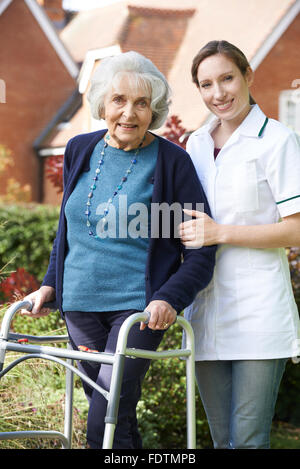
(128, 114)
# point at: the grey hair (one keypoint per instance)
(141, 72)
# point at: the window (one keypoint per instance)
(289, 108)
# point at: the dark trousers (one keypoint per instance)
(99, 331)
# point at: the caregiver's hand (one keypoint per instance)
(201, 231)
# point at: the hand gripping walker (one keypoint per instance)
(66, 356)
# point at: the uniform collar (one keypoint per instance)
(252, 126)
(254, 123)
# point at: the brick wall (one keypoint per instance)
(278, 70)
(37, 84)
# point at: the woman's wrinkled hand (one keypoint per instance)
(162, 315)
(38, 298)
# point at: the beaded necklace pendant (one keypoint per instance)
(103, 220)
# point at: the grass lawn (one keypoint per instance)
(285, 436)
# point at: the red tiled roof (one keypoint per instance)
(144, 11)
(155, 32)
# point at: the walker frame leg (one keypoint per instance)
(113, 401)
(68, 422)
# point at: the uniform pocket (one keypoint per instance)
(263, 302)
(245, 186)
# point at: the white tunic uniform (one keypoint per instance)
(248, 310)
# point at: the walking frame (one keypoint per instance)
(10, 341)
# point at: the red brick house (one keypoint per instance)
(39, 76)
(268, 32)
(170, 32)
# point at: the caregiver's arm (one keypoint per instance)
(204, 231)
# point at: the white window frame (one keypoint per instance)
(289, 108)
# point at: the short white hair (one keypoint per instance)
(142, 72)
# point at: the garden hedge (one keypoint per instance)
(26, 236)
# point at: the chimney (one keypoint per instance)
(54, 10)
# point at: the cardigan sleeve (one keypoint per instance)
(196, 270)
(50, 277)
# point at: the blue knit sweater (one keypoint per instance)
(108, 273)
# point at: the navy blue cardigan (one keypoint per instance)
(175, 180)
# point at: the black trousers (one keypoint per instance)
(99, 331)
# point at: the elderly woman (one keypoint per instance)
(100, 271)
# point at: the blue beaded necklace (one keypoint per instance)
(103, 219)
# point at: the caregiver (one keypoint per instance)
(246, 320)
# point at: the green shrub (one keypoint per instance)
(287, 407)
(27, 237)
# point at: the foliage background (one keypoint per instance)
(34, 396)
(27, 236)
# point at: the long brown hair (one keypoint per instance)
(225, 48)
